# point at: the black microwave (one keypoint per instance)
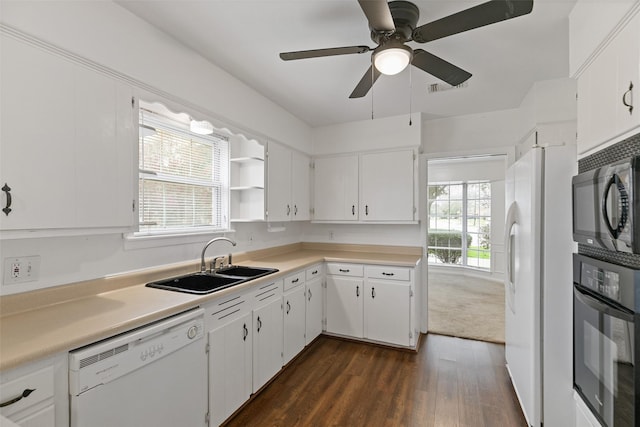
(606, 206)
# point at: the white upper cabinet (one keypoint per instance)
(608, 89)
(67, 143)
(279, 183)
(300, 186)
(287, 184)
(376, 187)
(387, 186)
(336, 188)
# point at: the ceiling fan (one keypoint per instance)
(393, 24)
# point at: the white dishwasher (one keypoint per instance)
(152, 376)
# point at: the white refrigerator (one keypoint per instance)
(538, 283)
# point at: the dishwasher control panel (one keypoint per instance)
(113, 358)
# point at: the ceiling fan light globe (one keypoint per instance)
(392, 60)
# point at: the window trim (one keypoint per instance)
(465, 218)
(179, 233)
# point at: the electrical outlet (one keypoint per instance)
(21, 269)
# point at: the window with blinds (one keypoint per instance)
(183, 178)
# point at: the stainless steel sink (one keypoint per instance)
(206, 283)
(199, 283)
(242, 271)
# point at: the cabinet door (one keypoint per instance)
(45, 417)
(37, 158)
(278, 183)
(104, 146)
(267, 342)
(230, 368)
(300, 187)
(627, 45)
(336, 189)
(345, 306)
(387, 311)
(294, 323)
(313, 300)
(68, 143)
(386, 186)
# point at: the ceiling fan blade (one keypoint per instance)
(365, 83)
(378, 14)
(317, 53)
(440, 68)
(478, 16)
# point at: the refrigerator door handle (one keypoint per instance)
(509, 240)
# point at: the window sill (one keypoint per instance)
(133, 241)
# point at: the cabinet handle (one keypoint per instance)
(295, 280)
(624, 98)
(309, 294)
(7, 208)
(259, 323)
(358, 291)
(245, 332)
(343, 271)
(288, 210)
(314, 272)
(25, 393)
(295, 210)
(366, 209)
(387, 274)
(288, 307)
(373, 292)
(353, 209)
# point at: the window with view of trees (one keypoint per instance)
(460, 223)
(183, 178)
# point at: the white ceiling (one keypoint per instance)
(244, 38)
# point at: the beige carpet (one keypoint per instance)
(466, 307)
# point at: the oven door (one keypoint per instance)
(603, 341)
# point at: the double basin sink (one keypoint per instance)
(206, 283)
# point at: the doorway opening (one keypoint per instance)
(465, 247)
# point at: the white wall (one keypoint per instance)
(367, 135)
(107, 34)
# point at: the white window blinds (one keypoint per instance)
(183, 179)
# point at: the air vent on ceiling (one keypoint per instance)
(441, 87)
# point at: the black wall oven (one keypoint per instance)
(606, 340)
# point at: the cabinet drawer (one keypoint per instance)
(226, 310)
(389, 273)
(267, 293)
(341, 269)
(313, 272)
(294, 280)
(41, 382)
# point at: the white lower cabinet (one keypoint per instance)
(230, 355)
(294, 316)
(267, 333)
(371, 302)
(30, 394)
(345, 306)
(313, 303)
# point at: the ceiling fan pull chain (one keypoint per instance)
(410, 95)
(373, 79)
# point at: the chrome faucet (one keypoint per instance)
(203, 266)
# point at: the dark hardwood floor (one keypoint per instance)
(449, 382)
